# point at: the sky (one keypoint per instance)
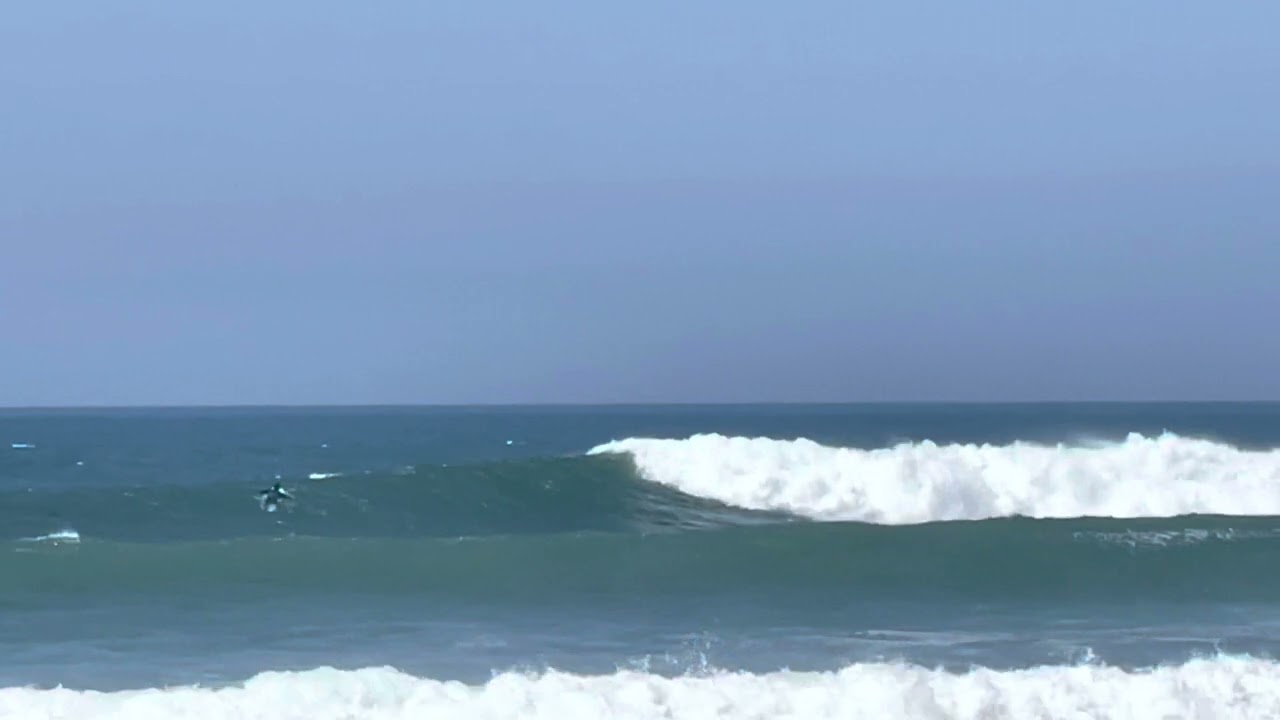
(459, 202)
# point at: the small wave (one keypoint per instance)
(1163, 476)
(1219, 687)
(61, 536)
(323, 475)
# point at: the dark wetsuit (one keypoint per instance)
(274, 495)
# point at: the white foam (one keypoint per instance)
(1222, 687)
(61, 536)
(323, 476)
(1163, 476)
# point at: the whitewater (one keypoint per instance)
(1224, 687)
(1162, 476)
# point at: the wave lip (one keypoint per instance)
(1222, 687)
(1163, 476)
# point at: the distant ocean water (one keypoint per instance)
(828, 561)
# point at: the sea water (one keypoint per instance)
(829, 561)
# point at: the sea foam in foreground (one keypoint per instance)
(1203, 688)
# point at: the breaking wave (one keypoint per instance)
(1162, 476)
(698, 483)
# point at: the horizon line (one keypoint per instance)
(617, 404)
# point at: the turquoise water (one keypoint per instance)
(635, 545)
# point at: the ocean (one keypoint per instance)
(758, 561)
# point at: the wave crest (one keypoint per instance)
(1163, 476)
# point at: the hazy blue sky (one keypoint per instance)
(322, 202)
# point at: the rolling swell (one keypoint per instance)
(548, 495)
(1187, 559)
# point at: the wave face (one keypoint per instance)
(1163, 476)
(1222, 687)
(1168, 561)
(701, 482)
(1156, 519)
(535, 496)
